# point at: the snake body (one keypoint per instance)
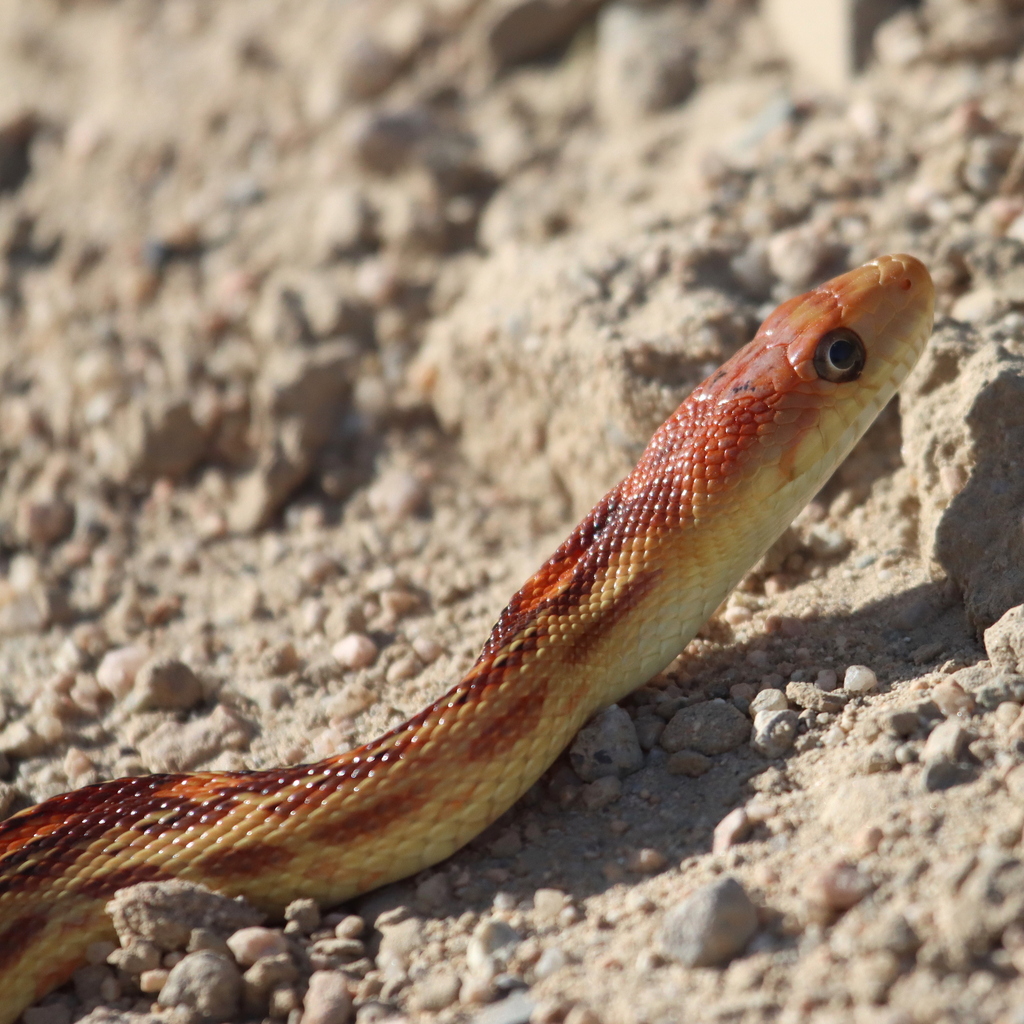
(618, 600)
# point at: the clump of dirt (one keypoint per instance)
(320, 326)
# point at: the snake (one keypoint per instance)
(619, 599)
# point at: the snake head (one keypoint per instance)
(822, 366)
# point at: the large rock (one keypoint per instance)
(559, 362)
(963, 411)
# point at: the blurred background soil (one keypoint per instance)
(322, 322)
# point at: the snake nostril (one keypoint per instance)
(906, 284)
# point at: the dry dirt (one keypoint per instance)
(323, 320)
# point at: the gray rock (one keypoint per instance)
(385, 142)
(711, 926)
(370, 68)
(152, 438)
(1004, 686)
(527, 29)
(300, 396)
(164, 684)
(606, 746)
(947, 740)
(711, 727)
(774, 732)
(942, 774)
(206, 982)
(902, 723)
(644, 62)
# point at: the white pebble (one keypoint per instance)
(428, 650)
(356, 650)
(768, 700)
(551, 960)
(859, 679)
(117, 671)
(736, 615)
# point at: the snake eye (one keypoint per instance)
(839, 356)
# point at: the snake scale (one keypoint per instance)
(618, 600)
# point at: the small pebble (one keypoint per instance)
(602, 793)
(838, 887)
(304, 913)
(427, 650)
(490, 947)
(606, 746)
(407, 667)
(768, 700)
(711, 926)
(868, 839)
(827, 680)
(355, 651)
(205, 982)
(552, 960)
(397, 495)
(646, 861)
(152, 981)
(548, 904)
(516, 1008)
(732, 829)
(951, 699)
(774, 732)
(947, 740)
(902, 723)
(327, 999)
(435, 992)
(165, 684)
(351, 926)
(689, 763)
(941, 774)
(859, 679)
(810, 697)
(316, 569)
(710, 727)
(116, 672)
(248, 945)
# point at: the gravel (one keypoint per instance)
(334, 322)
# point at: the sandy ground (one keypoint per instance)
(321, 324)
